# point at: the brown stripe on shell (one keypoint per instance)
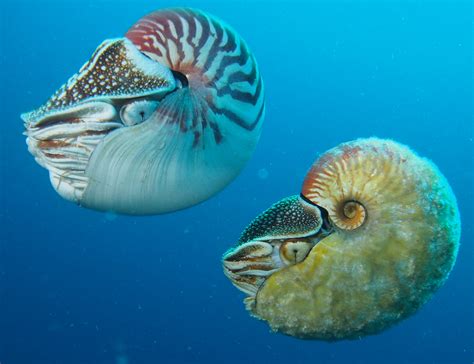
(214, 64)
(341, 180)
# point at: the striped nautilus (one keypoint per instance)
(154, 122)
(373, 234)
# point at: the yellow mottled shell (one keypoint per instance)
(360, 280)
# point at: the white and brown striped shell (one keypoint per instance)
(154, 122)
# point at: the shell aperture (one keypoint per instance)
(394, 240)
(154, 122)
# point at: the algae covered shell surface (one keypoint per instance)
(372, 236)
(156, 121)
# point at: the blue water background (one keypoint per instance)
(78, 286)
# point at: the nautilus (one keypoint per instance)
(372, 235)
(156, 121)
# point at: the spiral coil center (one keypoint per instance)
(351, 216)
(350, 209)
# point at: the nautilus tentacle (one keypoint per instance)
(394, 241)
(156, 121)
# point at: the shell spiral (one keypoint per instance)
(395, 240)
(224, 85)
(154, 122)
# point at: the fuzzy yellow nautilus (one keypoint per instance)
(374, 233)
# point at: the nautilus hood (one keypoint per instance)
(156, 121)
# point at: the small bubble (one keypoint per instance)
(110, 216)
(122, 359)
(262, 173)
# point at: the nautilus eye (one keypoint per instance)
(389, 238)
(137, 111)
(292, 252)
(156, 121)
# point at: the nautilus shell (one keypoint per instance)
(156, 121)
(373, 234)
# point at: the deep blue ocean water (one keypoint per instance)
(78, 286)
